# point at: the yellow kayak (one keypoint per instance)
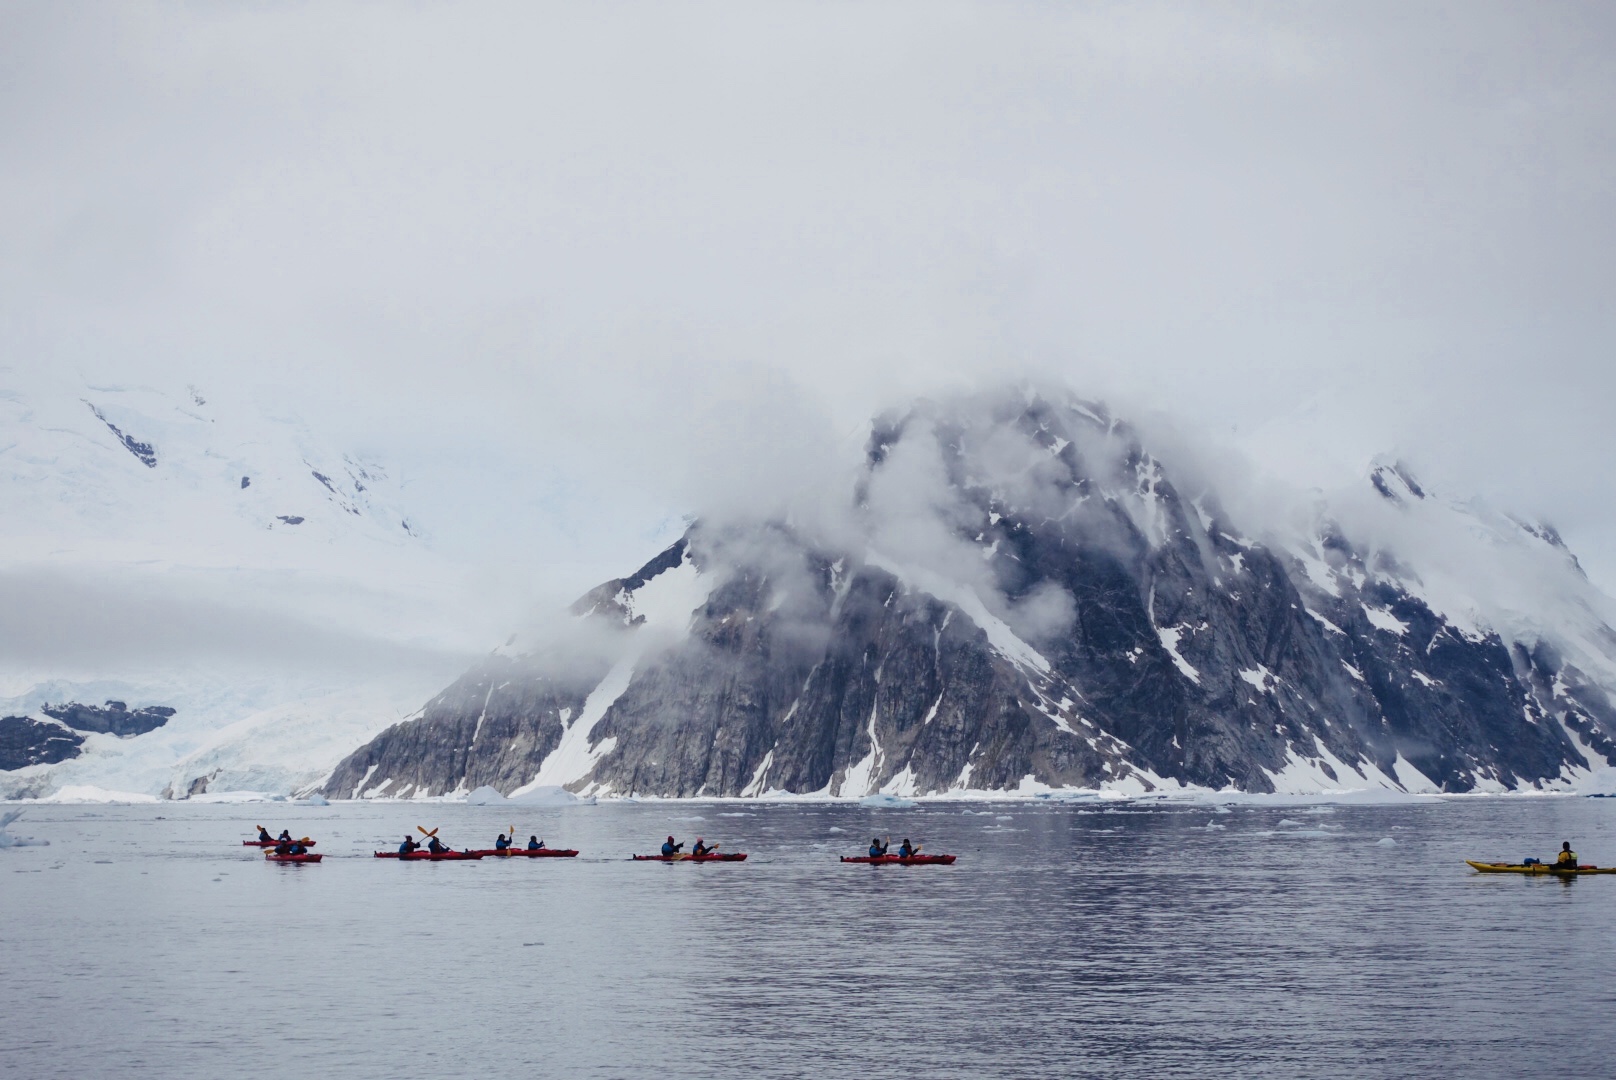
(1537, 868)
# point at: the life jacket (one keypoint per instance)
(407, 847)
(671, 848)
(535, 845)
(1567, 858)
(876, 851)
(905, 852)
(501, 843)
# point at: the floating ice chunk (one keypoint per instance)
(1288, 821)
(318, 800)
(1385, 841)
(227, 797)
(1221, 810)
(7, 840)
(835, 829)
(890, 802)
(1215, 825)
(549, 796)
(484, 796)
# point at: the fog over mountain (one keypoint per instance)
(552, 283)
(1018, 596)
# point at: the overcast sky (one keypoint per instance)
(654, 255)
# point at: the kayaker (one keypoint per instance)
(297, 848)
(501, 842)
(702, 849)
(285, 836)
(283, 847)
(264, 837)
(409, 846)
(877, 848)
(1567, 859)
(434, 846)
(670, 848)
(535, 844)
(905, 850)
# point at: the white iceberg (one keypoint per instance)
(484, 796)
(550, 796)
(889, 802)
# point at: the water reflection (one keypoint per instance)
(1129, 940)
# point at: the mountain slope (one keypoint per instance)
(182, 551)
(1019, 597)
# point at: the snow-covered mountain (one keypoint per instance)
(1019, 596)
(168, 547)
(1016, 594)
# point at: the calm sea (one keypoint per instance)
(1127, 940)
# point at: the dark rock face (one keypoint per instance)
(1030, 601)
(142, 450)
(25, 741)
(112, 718)
(493, 726)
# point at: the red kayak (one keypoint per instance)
(271, 843)
(530, 853)
(899, 860)
(427, 856)
(737, 856)
(311, 857)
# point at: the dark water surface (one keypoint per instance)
(1069, 940)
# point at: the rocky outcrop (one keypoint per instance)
(111, 718)
(25, 741)
(1020, 597)
(143, 451)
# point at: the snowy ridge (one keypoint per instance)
(131, 509)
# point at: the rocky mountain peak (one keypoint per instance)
(1016, 597)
